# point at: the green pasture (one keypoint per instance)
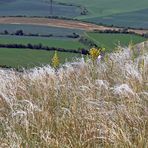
(111, 40)
(28, 58)
(50, 42)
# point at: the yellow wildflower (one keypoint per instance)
(94, 53)
(55, 60)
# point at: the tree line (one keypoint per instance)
(41, 47)
(22, 33)
(121, 31)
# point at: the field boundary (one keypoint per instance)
(70, 24)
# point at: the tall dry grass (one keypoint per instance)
(80, 106)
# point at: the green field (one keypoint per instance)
(101, 8)
(36, 8)
(110, 41)
(30, 58)
(50, 42)
(130, 19)
(116, 12)
(41, 30)
(18, 58)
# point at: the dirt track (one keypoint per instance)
(59, 23)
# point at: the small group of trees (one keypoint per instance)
(87, 42)
(21, 33)
(18, 32)
(73, 35)
(122, 31)
(84, 11)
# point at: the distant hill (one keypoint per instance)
(115, 12)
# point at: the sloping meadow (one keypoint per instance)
(83, 104)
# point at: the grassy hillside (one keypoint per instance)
(110, 41)
(129, 19)
(83, 105)
(102, 8)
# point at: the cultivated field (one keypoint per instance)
(36, 8)
(27, 58)
(41, 30)
(121, 13)
(58, 40)
(116, 12)
(60, 23)
(111, 40)
(50, 42)
(136, 19)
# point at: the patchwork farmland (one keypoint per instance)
(65, 24)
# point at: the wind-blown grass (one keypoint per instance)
(80, 105)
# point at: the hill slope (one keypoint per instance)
(81, 105)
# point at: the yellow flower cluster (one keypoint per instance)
(94, 53)
(55, 60)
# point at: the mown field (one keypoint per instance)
(111, 40)
(42, 30)
(28, 58)
(50, 42)
(18, 58)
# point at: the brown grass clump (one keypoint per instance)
(81, 105)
